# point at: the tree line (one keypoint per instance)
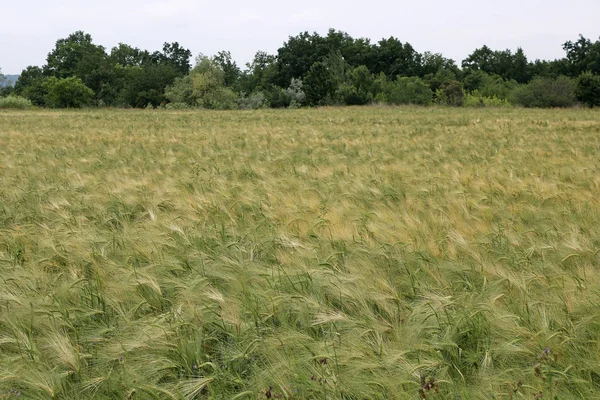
(307, 70)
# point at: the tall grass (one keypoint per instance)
(358, 253)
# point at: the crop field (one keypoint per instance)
(332, 253)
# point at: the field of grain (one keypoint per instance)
(353, 253)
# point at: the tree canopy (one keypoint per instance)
(308, 69)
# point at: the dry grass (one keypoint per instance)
(357, 253)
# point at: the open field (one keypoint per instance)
(358, 253)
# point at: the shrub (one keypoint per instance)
(255, 101)
(359, 87)
(489, 85)
(295, 92)
(476, 99)
(587, 89)
(67, 93)
(276, 97)
(181, 91)
(15, 102)
(451, 94)
(406, 91)
(36, 91)
(546, 93)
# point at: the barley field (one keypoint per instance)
(333, 253)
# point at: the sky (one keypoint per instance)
(29, 29)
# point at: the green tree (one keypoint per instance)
(432, 63)
(324, 80)
(203, 87)
(394, 58)
(126, 55)
(587, 89)
(359, 87)
(208, 83)
(230, 69)
(582, 55)
(31, 85)
(503, 63)
(489, 85)
(259, 74)
(175, 56)
(75, 55)
(67, 93)
(146, 85)
(320, 86)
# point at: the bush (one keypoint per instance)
(67, 93)
(6, 91)
(359, 87)
(181, 91)
(451, 94)
(255, 101)
(546, 93)
(295, 92)
(587, 89)
(489, 85)
(15, 102)
(406, 91)
(476, 99)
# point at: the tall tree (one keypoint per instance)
(126, 55)
(75, 55)
(175, 56)
(230, 69)
(582, 55)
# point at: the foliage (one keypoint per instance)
(587, 89)
(477, 99)
(335, 69)
(325, 79)
(15, 102)
(181, 91)
(546, 93)
(295, 92)
(208, 86)
(31, 85)
(451, 94)
(405, 90)
(231, 72)
(489, 85)
(147, 84)
(505, 64)
(67, 93)
(581, 56)
(254, 101)
(359, 87)
(174, 56)
(75, 55)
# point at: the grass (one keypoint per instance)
(354, 253)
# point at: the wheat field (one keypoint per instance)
(332, 253)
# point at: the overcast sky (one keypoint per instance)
(29, 29)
